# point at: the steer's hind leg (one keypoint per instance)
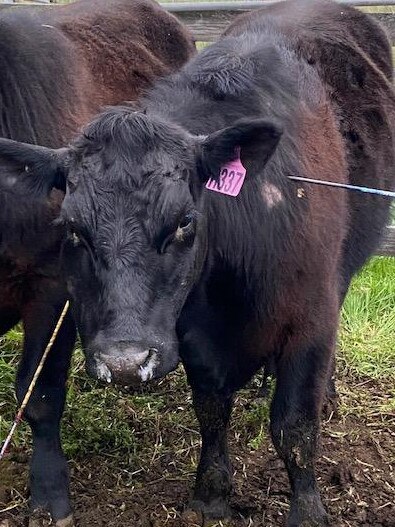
(295, 413)
(214, 474)
(331, 398)
(49, 486)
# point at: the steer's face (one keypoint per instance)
(134, 213)
(130, 255)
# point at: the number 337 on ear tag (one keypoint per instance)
(231, 178)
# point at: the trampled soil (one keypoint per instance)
(356, 472)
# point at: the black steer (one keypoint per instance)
(157, 264)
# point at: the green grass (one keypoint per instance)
(368, 321)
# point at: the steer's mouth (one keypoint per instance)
(128, 365)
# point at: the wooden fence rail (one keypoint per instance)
(207, 20)
(387, 246)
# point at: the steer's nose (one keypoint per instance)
(122, 363)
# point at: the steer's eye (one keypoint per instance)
(183, 235)
(80, 241)
(186, 222)
(185, 232)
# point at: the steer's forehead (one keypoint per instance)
(127, 162)
(122, 145)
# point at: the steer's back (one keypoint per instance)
(126, 44)
(352, 54)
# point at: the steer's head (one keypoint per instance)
(135, 222)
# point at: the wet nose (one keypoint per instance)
(123, 363)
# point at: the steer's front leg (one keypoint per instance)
(214, 473)
(49, 486)
(209, 354)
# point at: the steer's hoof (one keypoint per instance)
(67, 522)
(192, 518)
(307, 511)
(217, 509)
(43, 519)
(7, 523)
(39, 518)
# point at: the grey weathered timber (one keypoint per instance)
(252, 4)
(207, 20)
(388, 21)
(387, 246)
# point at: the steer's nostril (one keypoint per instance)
(146, 369)
(103, 373)
(151, 354)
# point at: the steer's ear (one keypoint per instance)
(31, 169)
(254, 140)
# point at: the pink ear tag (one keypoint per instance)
(231, 178)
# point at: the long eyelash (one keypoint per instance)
(169, 234)
(163, 239)
(166, 242)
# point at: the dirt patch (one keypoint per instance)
(356, 474)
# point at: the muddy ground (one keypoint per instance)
(356, 470)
